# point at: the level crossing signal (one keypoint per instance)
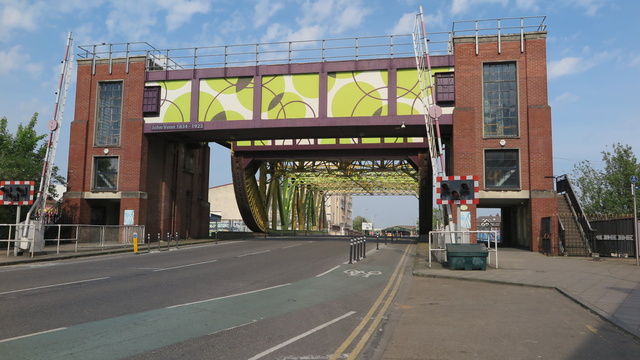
(457, 189)
(17, 192)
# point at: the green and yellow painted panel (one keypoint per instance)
(175, 101)
(408, 92)
(358, 93)
(225, 99)
(290, 96)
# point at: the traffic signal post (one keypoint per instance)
(457, 190)
(17, 193)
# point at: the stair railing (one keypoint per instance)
(587, 233)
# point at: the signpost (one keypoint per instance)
(634, 180)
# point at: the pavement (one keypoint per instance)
(608, 287)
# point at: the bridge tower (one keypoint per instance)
(114, 167)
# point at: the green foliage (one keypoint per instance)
(357, 223)
(607, 190)
(21, 158)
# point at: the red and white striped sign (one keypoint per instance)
(9, 183)
(476, 188)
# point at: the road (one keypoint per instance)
(271, 299)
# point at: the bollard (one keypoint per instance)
(168, 240)
(135, 242)
(158, 241)
(377, 242)
(351, 251)
(359, 249)
(177, 237)
(364, 247)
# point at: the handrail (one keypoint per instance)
(563, 185)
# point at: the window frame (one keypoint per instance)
(493, 187)
(100, 122)
(499, 122)
(151, 101)
(95, 174)
(445, 97)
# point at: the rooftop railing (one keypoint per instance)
(305, 51)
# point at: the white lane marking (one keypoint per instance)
(255, 253)
(290, 246)
(187, 265)
(292, 340)
(53, 285)
(29, 335)
(234, 327)
(328, 271)
(228, 296)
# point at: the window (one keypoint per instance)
(105, 173)
(501, 169)
(500, 100)
(151, 101)
(445, 88)
(109, 117)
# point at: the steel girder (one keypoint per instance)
(291, 193)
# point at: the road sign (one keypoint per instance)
(634, 179)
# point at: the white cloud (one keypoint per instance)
(590, 7)
(566, 66)
(527, 4)
(635, 60)
(17, 15)
(462, 6)
(322, 13)
(265, 9)
(565, 98)
(180, 11)
(16, 60)
(573, 65)
(404, 25)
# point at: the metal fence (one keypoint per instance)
(82, 236)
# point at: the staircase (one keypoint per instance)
(572, 237)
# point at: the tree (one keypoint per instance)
(607, 190)
(357, 223)
(21, 158)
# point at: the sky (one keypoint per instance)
(593, 58)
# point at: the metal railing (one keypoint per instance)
(438, 240)
(499, 27)
(82, 236)
(586, 231)
(305, 51)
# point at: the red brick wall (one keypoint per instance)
(535, 140)
(151, 180)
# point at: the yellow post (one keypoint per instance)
(135, 242)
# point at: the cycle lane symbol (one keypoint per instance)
(360, 273)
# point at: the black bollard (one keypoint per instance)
(364, 247)
(351, 251)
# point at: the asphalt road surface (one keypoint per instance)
(271, 299)
(293, 299)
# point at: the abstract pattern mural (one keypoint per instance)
(290, 96)
(358, 93)
(408, 101)
(175, 101)
(224, 99)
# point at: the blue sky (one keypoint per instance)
(593, 56)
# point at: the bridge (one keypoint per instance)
(303, 119)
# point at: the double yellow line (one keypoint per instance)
(381, 305)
